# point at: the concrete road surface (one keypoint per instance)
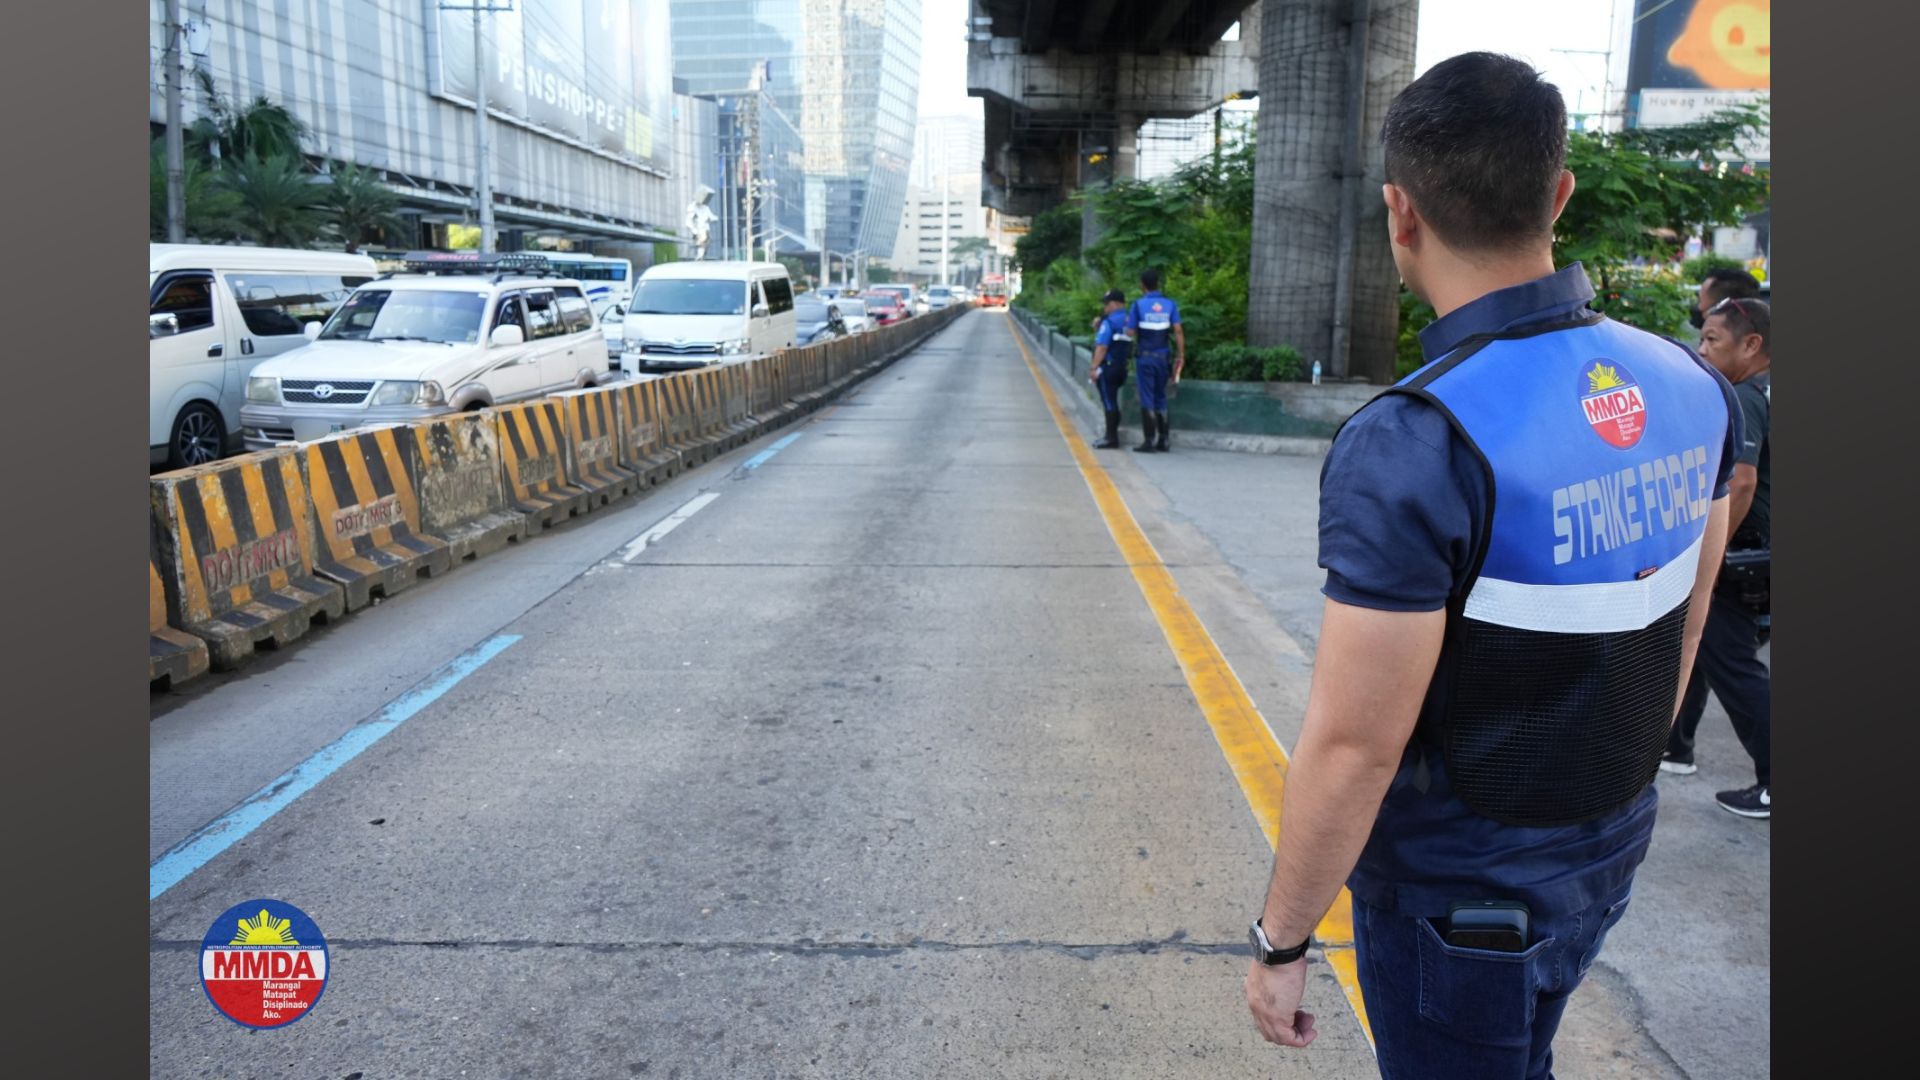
(875, 763)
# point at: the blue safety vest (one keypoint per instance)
(1116, 334)
(1561, 667)
(1154, 316)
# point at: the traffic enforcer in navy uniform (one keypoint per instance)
(1160, 351)
(1112, 348)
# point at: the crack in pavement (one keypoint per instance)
(1177, 944)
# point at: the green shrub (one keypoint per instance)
(1240, 362)
(1695, 270)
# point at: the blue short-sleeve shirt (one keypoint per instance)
(1402, 507)
(1113, 325)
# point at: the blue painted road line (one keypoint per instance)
(760, 458)
(200, 848)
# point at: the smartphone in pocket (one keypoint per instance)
(1492, 925)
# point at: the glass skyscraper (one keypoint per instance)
(846, 72)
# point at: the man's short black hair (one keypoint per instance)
(1723, 284)
(1746, 316)
(1478, 143)
(1149, 279)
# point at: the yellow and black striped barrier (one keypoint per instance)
(763, 404)
(173, 656)
(593, 444)
(710, 411)
(681, 414)
(533, 463)
(457, 478)
(643, 432)
(735, 403)
(368, 514)
(237, 554)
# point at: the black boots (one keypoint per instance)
(1152, 422)
(1112, 440)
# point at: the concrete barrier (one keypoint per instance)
(364, 506)
(456, 477)
(173, 656)
(593, 445)
(237, 553)
(643, 432)
(680, 411)
(534, 465)
(736, 404)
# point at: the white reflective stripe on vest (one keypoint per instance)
(1607, 607)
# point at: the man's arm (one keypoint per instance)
(1099, 357)
(1713, 548)
(1740, 488)
(1180, 350)
(1370, 674)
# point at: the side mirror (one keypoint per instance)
(164, 324)
(311, 330)
(760, 311)
(507, 335)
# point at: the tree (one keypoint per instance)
(360, 207)
(279, 205)
(1638, 192)
(1055, 234)
(259, 129)
(970, 251)
(211, 209)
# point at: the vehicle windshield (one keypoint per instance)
(851, 307)
(408, 315)
(938, 291)
(805, 312)
(689, 296)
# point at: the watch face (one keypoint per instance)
(1259, 947)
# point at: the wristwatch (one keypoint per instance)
(1264, 951)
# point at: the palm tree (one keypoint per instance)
(211, 209)
(279, 204)
(361, 207)
(260, 129)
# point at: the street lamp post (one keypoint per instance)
(483, 177)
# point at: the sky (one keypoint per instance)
(1529, 29)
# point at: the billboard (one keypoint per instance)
(1702, 45)
(594, 73)
(1690, 58)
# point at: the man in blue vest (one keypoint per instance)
(1112, 347)
(1520, 540)
(1160, 351)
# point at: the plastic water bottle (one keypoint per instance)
(1316, 373)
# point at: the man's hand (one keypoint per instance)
(1273, 996)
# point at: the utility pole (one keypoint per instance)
(483, 180)
(176, 142)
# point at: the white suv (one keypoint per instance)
(453, 332)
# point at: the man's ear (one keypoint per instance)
(1562, 192)
(1403, 222)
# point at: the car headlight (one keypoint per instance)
(735, 347)
(404, 392)
(262, 390)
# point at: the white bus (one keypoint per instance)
(608, 280)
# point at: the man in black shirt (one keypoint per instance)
(1737, 340)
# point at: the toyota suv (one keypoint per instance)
(451, 332)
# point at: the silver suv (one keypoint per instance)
(451, 333)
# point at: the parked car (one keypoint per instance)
(885, 308)
(454, 332)
(213, 313)
(816, 320)
(611, 315)
(690, 314)
(853, 312)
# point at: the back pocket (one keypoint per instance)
(1479, 995)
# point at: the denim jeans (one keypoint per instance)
(1444, 1013)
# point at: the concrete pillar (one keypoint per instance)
(1297, 180)
(1120, 161)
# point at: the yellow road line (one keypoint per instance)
(1256, 757)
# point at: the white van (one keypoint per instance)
(690, 314)
(214, 311)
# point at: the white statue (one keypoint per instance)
(700, 218)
